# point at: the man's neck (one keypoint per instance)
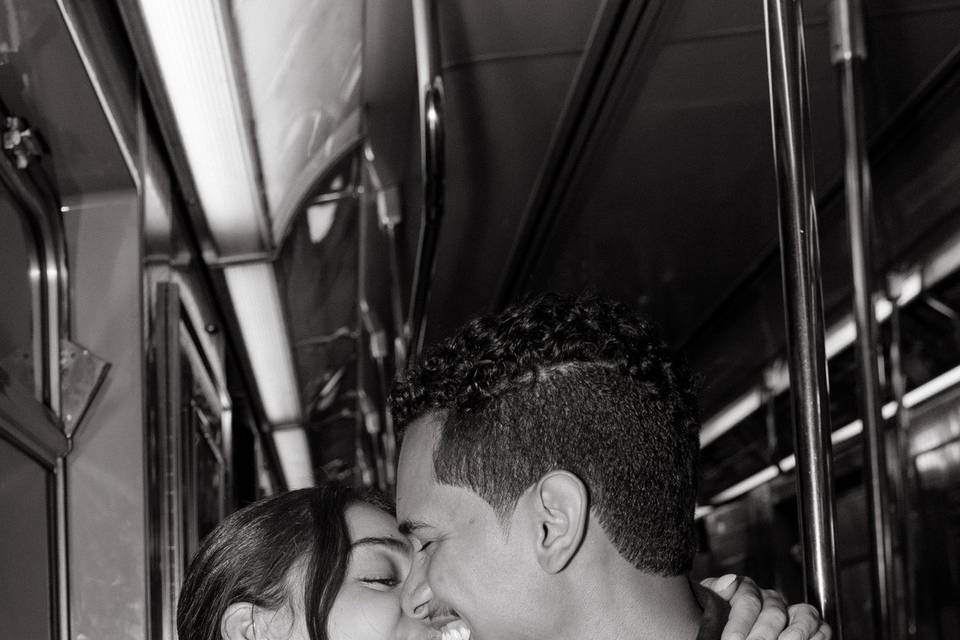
(631, 605)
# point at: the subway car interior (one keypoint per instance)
(226, 225)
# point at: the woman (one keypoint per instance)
(319, 564)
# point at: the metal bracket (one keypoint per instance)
(20, 142)
(389, 208)
(847, 39)
(81, 374)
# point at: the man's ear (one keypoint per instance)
(561, 510)
(237, 622)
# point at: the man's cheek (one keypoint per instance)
(447, 583)
(436, 578)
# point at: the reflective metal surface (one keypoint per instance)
(60, 517)
(802, 297)
(83, 373)
(848, 52)
(432, 166)
(167, 526)
(905, 484)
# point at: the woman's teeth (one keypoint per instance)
(456, 630)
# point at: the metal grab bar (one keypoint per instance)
(847, 53)
(799, 250)
(432, 163)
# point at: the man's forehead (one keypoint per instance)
(415, 477)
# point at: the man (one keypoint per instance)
(547, 480)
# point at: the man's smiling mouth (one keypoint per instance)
(455, 630)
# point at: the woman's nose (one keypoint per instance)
(416, 595)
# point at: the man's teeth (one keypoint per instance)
(456, 630)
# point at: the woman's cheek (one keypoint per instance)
(363, 615)
(382, 612)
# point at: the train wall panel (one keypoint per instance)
(106, 468)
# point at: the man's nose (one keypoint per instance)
(408, 629)
(416, 595)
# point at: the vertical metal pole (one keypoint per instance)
(907, 624)
(847, 53)
(61, 521)
(432, 162)
(362, 403)
(164, 474)
(802, 299)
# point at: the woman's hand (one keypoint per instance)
(763, 614)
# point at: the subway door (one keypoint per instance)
(188, 450)
(31, 439)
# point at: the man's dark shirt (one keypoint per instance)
(715, 612)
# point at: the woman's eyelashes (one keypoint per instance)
(382, 581)
(381, 571)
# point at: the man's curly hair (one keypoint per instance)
(584, 385)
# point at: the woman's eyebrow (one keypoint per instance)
(384, 541)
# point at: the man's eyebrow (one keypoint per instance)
(411, 526)
(384, 541)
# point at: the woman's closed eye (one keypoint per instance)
(387, 582)
(378, 569)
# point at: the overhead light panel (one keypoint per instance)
(839, 337)
(191, 42)
(294, 453)
(747, 485)
(911, 287)
(702, 511)
(730, 416)
(931, 388)
(256, 301)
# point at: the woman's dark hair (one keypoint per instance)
(248, 557)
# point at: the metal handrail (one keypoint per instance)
(847, 53)
(48, 259)
(907, 624)
(799, 248)
(433, 168)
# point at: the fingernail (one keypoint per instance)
(724, 581)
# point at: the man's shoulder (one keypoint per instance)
(715, 612)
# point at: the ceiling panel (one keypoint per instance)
(499, 118)
(303, 62)
(472, 32)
